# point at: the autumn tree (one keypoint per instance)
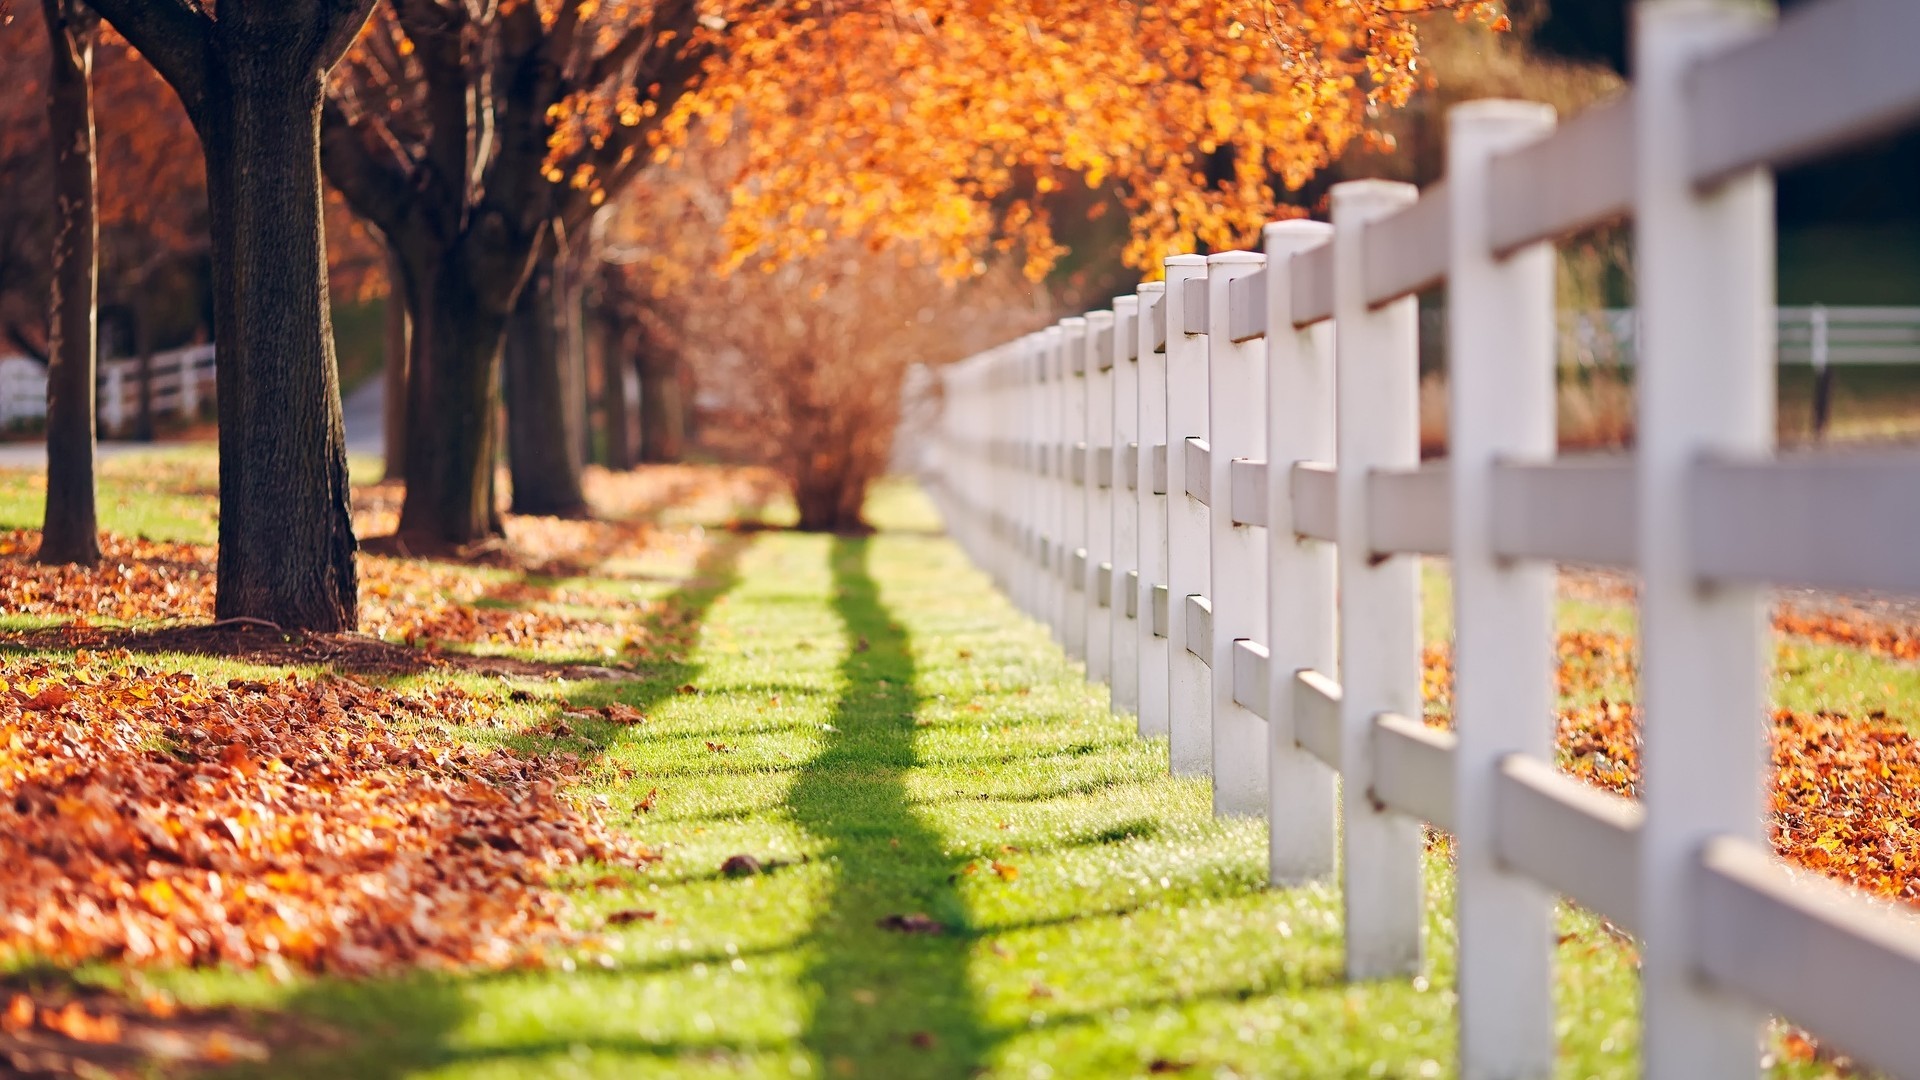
(70, 530)
(250, 74)
(949, 125)
(473, 134)
(440, 131)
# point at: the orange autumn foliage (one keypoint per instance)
(158, 818)
(949, 125)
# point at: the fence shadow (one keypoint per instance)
(895, 1002)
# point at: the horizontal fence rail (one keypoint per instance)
(1215, 501)
(181, 383)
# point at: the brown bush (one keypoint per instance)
(812, 355)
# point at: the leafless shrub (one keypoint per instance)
(811, 355)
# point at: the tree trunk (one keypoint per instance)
(70, 533)
(394, 402)
(830, 497)
(611, 344)
(543, 450)
(663, 409)
(571, 326)
(286, 533)
(453, 363)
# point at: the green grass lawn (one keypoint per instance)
(879, 729)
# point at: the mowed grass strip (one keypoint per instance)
(967, 867)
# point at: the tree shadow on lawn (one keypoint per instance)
(399, 1024)
(895, 1003)
(888, 1002)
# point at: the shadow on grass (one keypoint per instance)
(891, 1003)
(388, 1028)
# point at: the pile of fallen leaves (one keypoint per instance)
(1845, 791)
(1879, 637)
(401, 600)
(157, 817)
(136, 581)
(417, 602)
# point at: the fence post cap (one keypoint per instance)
(1236, 258)
(1501, 111)
(1186, 260)
(1367, 199)
(1301, 229)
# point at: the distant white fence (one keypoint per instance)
(1212, 497)
(183, 381)
(1817, 335)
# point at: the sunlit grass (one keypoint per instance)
(878, 728)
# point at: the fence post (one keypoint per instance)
(1189, 681)
(1033, 478)
(1151, 517)
(189, 374)
(116, 403)
(1125, 660)
(1237, 556)
(1501, 331)
(1822, 370)
(1706, 386)
(1073, 532)
(1002, 482)
(1300, 593)
(1057, 447)
(1099, 489)
(1377, 426)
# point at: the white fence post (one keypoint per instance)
(1501, 331)
(1705, 386)
(1237, 558)
(1378, 426)
(1151, 516)
(1033, 572)
(1300, 570)
(1189, 681)
(1073, 531)
(1099, 489)
(1125, 655)
(116, 399)
(1054, 511)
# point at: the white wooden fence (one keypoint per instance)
(182, 382)
(1816, 335)
(1235, 542)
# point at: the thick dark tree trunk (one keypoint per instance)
(251, 78)
(394, 404)
(286, 534)
(543, 449)
(610, 344)
(71, 532)
(663, 406)
(453, 365)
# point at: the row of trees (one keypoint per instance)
(482, 139)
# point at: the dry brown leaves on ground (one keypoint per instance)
(319, 823)
(142, 581)
(136, 581)
(1845, 791)
(1881, 638)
